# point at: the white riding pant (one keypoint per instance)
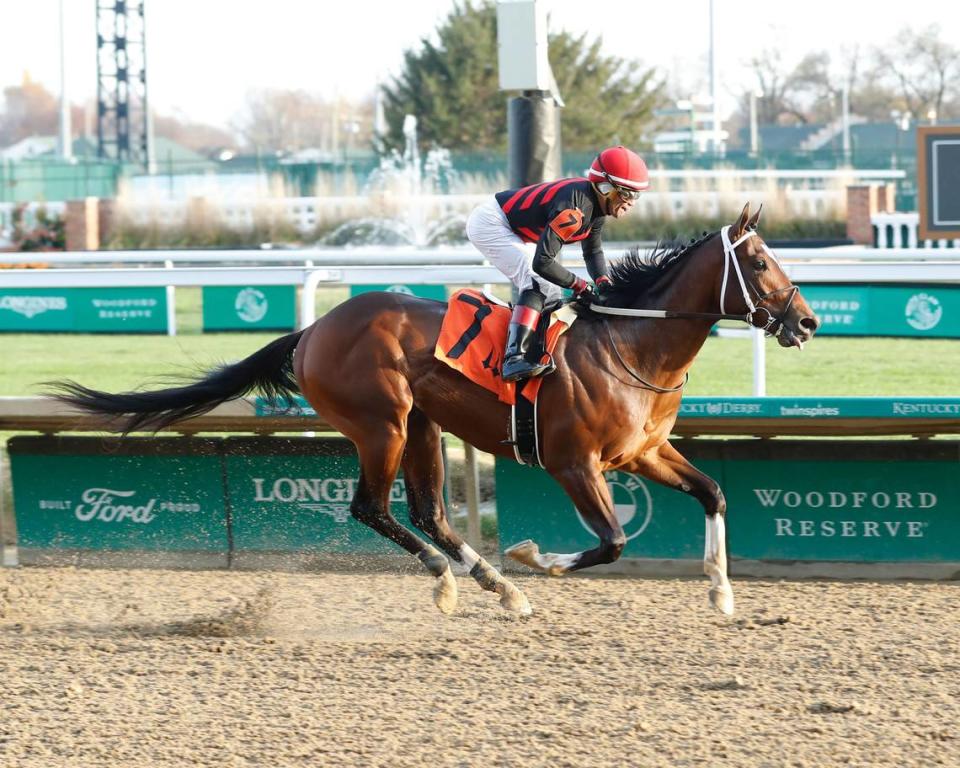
(489, 230)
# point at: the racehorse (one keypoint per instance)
(368, 368)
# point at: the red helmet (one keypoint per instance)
(620, 167)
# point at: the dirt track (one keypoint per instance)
(161, 668)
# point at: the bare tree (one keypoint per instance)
(199, 137)
(923, 69)
(780, 102)
(286, 120)
(811, 92)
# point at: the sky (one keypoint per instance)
(205, 56)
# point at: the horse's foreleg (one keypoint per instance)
(589, 492)
(423, 477)
(668, 467)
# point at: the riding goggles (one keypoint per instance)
(627, 194)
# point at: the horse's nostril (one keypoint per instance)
(810, 324)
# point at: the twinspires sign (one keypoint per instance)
(884, 310)
(84, 310)
(845, 501)
(812, 408)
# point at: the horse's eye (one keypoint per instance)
(759, 265)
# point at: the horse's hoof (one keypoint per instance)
(525, 552)
(721, 598)
(445, 592)
(512, 599)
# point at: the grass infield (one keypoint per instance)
(827, 366)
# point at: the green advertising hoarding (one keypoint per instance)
(135, 494)
(84, 310)
(659, 523)
(886, 310)
(855, 501)
(438, 292)
(823, 501)
(294, 494)
(251, 307)
(812, 408)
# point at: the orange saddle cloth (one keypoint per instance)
(473, 335)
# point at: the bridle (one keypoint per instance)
(730, 257)
(751, 317)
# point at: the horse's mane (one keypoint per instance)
(638, 270)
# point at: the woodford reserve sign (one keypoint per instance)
(838, 500)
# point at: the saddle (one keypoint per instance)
(471, 341)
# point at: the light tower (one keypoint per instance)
(123, 123)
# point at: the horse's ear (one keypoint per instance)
(755, 219)
(741, 225)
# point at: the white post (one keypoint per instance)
(472, 481)
(845, 110)
(759, 363)
(714, 80)
(66, 132)
(171, 304)
(754, 131)
(308, 294)
(8, 557)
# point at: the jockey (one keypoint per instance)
(521, 232)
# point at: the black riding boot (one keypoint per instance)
(523, 325)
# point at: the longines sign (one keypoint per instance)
(98, 310)
(294, 495)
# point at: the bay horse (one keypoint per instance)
(368, 368)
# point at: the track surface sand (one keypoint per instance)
(170, 668)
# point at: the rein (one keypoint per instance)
(666, 314)
(643, 382)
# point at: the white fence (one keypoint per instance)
(305, 214)
(902, 230)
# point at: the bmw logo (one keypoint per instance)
(632, 503)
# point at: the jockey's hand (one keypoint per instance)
(583, 292)
(603, 284)
(589, 297)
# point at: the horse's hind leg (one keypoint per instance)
(586, 487)
(380, 453)
(423, 477)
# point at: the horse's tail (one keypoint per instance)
(268, 371)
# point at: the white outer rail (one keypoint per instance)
(308, 256)
(410, 256)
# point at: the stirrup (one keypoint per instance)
(526, 369)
